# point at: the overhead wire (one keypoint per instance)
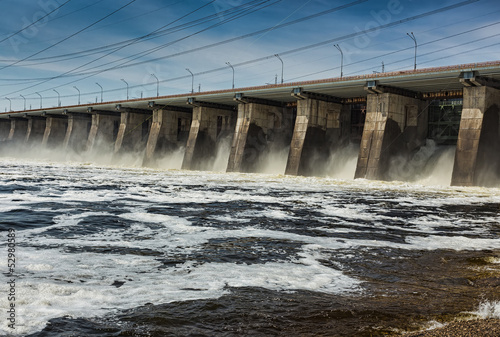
(291, 51)
(218, 24)
(328, 41)
(68, 37)
(399, 51)
(156, 34)
(34, 23)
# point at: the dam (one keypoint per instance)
(386, 116)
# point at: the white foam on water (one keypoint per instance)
(171, 160)
(56, 284)
(488, 309)
(342, 163)
(274, 162)
(433, 242)
(45, 290)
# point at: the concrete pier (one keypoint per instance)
(257, 118)
(322, 124)
(36, 130)
(134, 129)
(395, 125)
(477, 159)
(169, 131)
(18, 129)
(210, 121)
(55, 130)
(77, 132)
(104, 129)
(4, 129)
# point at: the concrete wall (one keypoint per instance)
(55, 131)
(395, 126)
(320, 127)
(103, 131)
(254, 125)
(133, 132)
(169, 131)
(4, 129)
(207, 126)
(18, 130)
(77, 132)
(36, 130)
(478, 147)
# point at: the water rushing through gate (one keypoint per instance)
(117, 251)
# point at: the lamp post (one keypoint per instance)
(10, 103)
(58, 97)
(341, 60)
(192, 80)
(229, 64)
(101, 89)
(40, 99)
(127, 86)
(414, 40)
(157, 85)
(24, 102)
(282, 66)
(78, 94)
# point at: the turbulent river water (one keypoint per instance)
(114, 251)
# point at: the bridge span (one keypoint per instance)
(388, 115)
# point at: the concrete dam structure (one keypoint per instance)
(388, 115)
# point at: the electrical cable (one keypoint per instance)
(33, 23)
(321, 43)
(68, 37)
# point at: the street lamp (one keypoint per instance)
(157, 85)
(127, 86)
(78, 94)
(101, 89)
(282, 66)
(40, 99)
(192, 80)
(24, 102)
(58, 97)
(10, 103)
(341, 60)
(414, 40)
(229, 64)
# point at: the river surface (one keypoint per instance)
(114, 251)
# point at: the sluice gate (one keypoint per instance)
(389, 116)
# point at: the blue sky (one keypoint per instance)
(85, 44)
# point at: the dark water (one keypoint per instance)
(106, 251)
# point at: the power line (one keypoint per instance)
(155, 34)
(301, 48)
(404, 49)
(151, 35)
(236, 16)
(33, 23)
(68, 37)
(291, 51)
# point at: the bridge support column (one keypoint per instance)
(209, 121)
(394, 126)
(77, 131)
(36, 130)
(133, 132)
(253, 127)
(478, 147)
(4, 129)
(18, 129)
(103, 130)
(320, 126)
(55, 131)
(169, 130)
